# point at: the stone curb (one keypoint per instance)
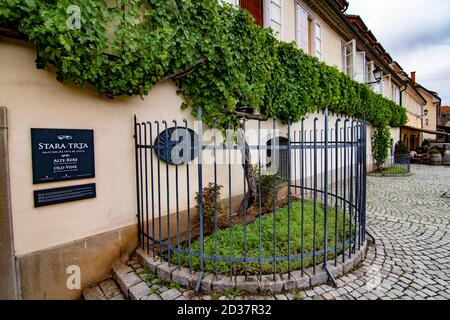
(249, 284)
(392, 175)
(125, 278)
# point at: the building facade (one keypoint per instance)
(445, 116)
(322, 29)
(45, 243)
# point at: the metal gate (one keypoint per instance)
(315, 218)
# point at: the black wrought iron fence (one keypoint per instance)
(296, 199)
(403, 162)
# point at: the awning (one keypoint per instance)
(441, 133)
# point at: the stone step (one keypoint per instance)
(145, 277)
(106, 290)
(250, 284)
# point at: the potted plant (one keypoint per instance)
(401, 153)
(426, 143)
(435, 157)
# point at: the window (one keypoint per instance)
(381, 85)
(308, 33)
(267, 13)
(387, 86)
(395, 93)
(427, 122)
(349, 58)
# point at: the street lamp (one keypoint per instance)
(377, 74)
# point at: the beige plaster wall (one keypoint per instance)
(36, 100)
(431, 116)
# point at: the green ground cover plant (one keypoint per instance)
(395, 170)
(267, 237)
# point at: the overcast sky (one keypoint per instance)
(416, 33)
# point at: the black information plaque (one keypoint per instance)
(61, 195)
(62, 154)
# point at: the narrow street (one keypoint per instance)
(410, 222)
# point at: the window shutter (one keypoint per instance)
(397, 95)
(350, 56)
(255, 7)
(276, 18)
(381, 88)
(343, 57)
(318, 43)
(302, 28)
(388, 86)
(370, 69)
(360, 67)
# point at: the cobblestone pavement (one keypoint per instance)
(410, 259)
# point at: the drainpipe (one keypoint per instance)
(401, 95)
(8, 279)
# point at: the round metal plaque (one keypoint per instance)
(177, 145)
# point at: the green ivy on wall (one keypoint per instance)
(126, 47)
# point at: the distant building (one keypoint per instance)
(445, 116)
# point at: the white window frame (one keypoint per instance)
(318, 52)
(314, 51)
